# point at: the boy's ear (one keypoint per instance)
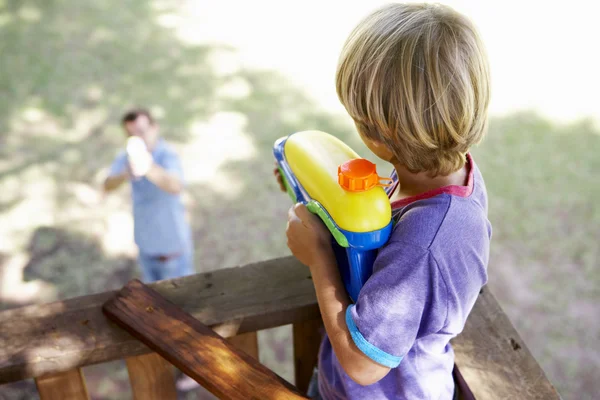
(378, 148)
(383, 151)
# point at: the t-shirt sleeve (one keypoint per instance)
(119, 164)
(172, 164)
(402, 297)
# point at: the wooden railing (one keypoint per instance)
(52, 342)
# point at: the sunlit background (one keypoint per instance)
(226, 79)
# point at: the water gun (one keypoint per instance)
(344, 190)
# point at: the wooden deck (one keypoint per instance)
(51, 342)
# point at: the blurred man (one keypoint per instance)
(161, 231)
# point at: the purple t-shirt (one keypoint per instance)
(425, 282)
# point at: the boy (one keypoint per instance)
(414, 78)
(161, 231)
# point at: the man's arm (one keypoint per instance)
(113, 182)
(118, 173)
(165, 180)
(167, 176)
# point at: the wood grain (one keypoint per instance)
(193, 347)
(69, 385)
(307, 339)
(247, 342)
(49, 338)
(151, 377)
(494, 360)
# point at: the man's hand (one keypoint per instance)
(307, 237)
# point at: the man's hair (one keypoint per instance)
(415, 77)
(134, 114)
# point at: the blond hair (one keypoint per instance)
(415, 77)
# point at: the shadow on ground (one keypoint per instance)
(67, 73)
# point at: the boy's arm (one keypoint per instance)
(309, 241)
(406, 295)
(333, 303)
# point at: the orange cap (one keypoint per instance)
(359, 175)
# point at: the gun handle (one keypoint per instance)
(355, 266)
(360, 269)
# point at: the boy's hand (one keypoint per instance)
(279, 178)
(308, 238)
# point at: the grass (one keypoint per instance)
(67, 72)
(544, 261)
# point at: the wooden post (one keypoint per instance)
(307, 339)
(151, 378)
(247, 342)
(64, 385)
(193, 347)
